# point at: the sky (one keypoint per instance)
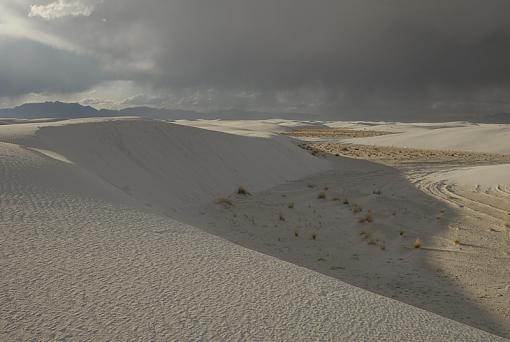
(356, 59)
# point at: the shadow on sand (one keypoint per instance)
(325, 236)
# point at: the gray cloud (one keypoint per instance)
(337, 57)
(28, 67)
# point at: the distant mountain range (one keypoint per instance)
(61, 110)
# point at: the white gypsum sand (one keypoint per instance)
(91, 249)
(488, 138)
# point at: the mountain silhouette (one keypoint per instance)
(62, 110)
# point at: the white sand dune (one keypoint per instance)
(257, 128)
(168, 165)
(460, 136)
(88, 255)
(490, 138)
(491, 176)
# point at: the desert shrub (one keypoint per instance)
(224, 201)
(356, 209)
(242, 191)
(367, 218)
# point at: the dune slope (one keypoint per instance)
(82, 259)
(487, 138)
(167, 165)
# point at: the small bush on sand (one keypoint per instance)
(356, 209)
(456, 242)
(364, 235)
(314, 236)
(367, 218)
(296, 234)
(346, 201)
(417, 243)
(225, 202)
(282, 218)
(242, 191)
(321, 195)
(291, 205)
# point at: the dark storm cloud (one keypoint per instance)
(27, 66)
(359, 55)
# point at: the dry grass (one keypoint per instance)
(224, 201)
(367, 218)
(417, 243)
(372, 241)
(394, 155)
(356, 209)
(242, 191)
(341, 132)
(456, 242)
(290, 205)
(321, 195)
